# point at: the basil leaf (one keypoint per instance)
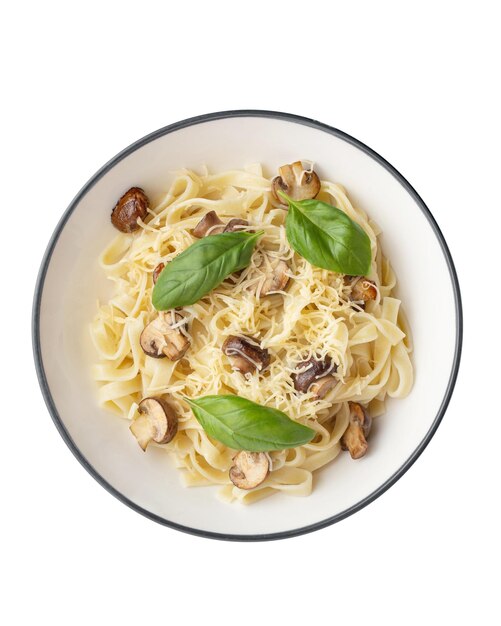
(326, 237)
(244, 425)
(201, 268)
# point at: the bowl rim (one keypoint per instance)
(200, 119)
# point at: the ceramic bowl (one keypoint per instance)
(70, 283)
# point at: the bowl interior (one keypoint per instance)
(73, 284)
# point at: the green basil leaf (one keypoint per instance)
(326, 237)
(202, 267)
(244, 425)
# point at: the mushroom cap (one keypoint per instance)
(296, 182)
(157, 421)
(315, 369)
(235, 225)
(157, 271)
(242, 364)
(249, 470)
(355, 436)
(159, 339)
(246, 353)
(362, 289)
(209, 222)
(131, 206)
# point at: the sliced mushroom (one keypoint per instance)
(249, 469)
(157, 421)
(235, 225)
(276, 276)
(209, 222)
(157, 271)
(355, 436)
(164, 337)
(296, 182)
(321, 387)
(362, 289)
(315, 370)
(247, 355)
(131, 206)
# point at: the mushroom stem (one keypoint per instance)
(355, 436)
(321, 387)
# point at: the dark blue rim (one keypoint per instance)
(173, 128)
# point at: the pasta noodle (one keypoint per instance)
(314, 317)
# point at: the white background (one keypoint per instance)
(416, 81)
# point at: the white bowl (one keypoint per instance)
(70, 282)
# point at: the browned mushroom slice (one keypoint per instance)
(246, 353)
(235, 225)
(321, 387)
(157, 421)
(164, 337)
(131, 206)
(249, 470)
(296, 182)
(312, 370)
(362, 289)
(209, 224)
(355, 436)
(157, 271)
(276, 278)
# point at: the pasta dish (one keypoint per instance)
(280, 352)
